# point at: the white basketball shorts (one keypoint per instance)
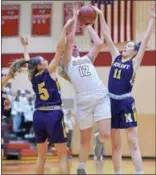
(92, 108)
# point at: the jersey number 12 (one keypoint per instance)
(84, 71)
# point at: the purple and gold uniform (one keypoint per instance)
(121, 79)
(48, 116)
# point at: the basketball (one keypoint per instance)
(87, 15)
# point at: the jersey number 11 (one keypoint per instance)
(117, 74)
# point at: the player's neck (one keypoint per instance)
(125, 59)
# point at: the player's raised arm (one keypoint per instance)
(70, 38)
(60, 47)
(107, 36)
(142, 46)
(97, 44)
(24, 42)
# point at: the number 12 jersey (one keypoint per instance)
(83, 75)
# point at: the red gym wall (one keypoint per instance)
(103, 59)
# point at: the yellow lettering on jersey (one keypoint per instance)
(117, 74)
(58, 84)
(128, 117)
(135, 115)
(44, 95)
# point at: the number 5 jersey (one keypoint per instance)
(83, 76)
(46, 89)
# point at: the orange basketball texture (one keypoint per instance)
(87, 15)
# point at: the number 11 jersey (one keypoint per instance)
(83, 76)
(121, 77)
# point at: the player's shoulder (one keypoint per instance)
(116, 58)
(86, 56)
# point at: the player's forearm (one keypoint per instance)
(71, 35)
(26, 53)
(148, 32)
(94, 36)
(143, 46)
(54, 63)
(104, 27)
(62, 41)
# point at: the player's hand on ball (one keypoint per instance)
(24, 41)
(98, 11)
(69, 23)
(153, 11)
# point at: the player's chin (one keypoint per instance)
(124, 54)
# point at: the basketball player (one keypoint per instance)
(92, 98)
(48, 116)
(121, 79)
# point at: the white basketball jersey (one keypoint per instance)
(83, 75)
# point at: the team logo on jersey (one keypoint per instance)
(122, 66)
(80, 61)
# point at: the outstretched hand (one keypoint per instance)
(69, 23)
(24, 41)
(97, 10)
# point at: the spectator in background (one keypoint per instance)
(23, 98)
(28, 94)
(18, 92)
(8, 92)
(70, 122)
(23, 102)
(7, 88)
(98, 153)
(16, 114)
(28, 116)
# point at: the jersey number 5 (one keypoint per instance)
(44, 95)
(117, 74)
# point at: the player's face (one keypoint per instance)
(128, 50)
(75, 51)
(43, 65)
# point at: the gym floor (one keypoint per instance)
(27, 166)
